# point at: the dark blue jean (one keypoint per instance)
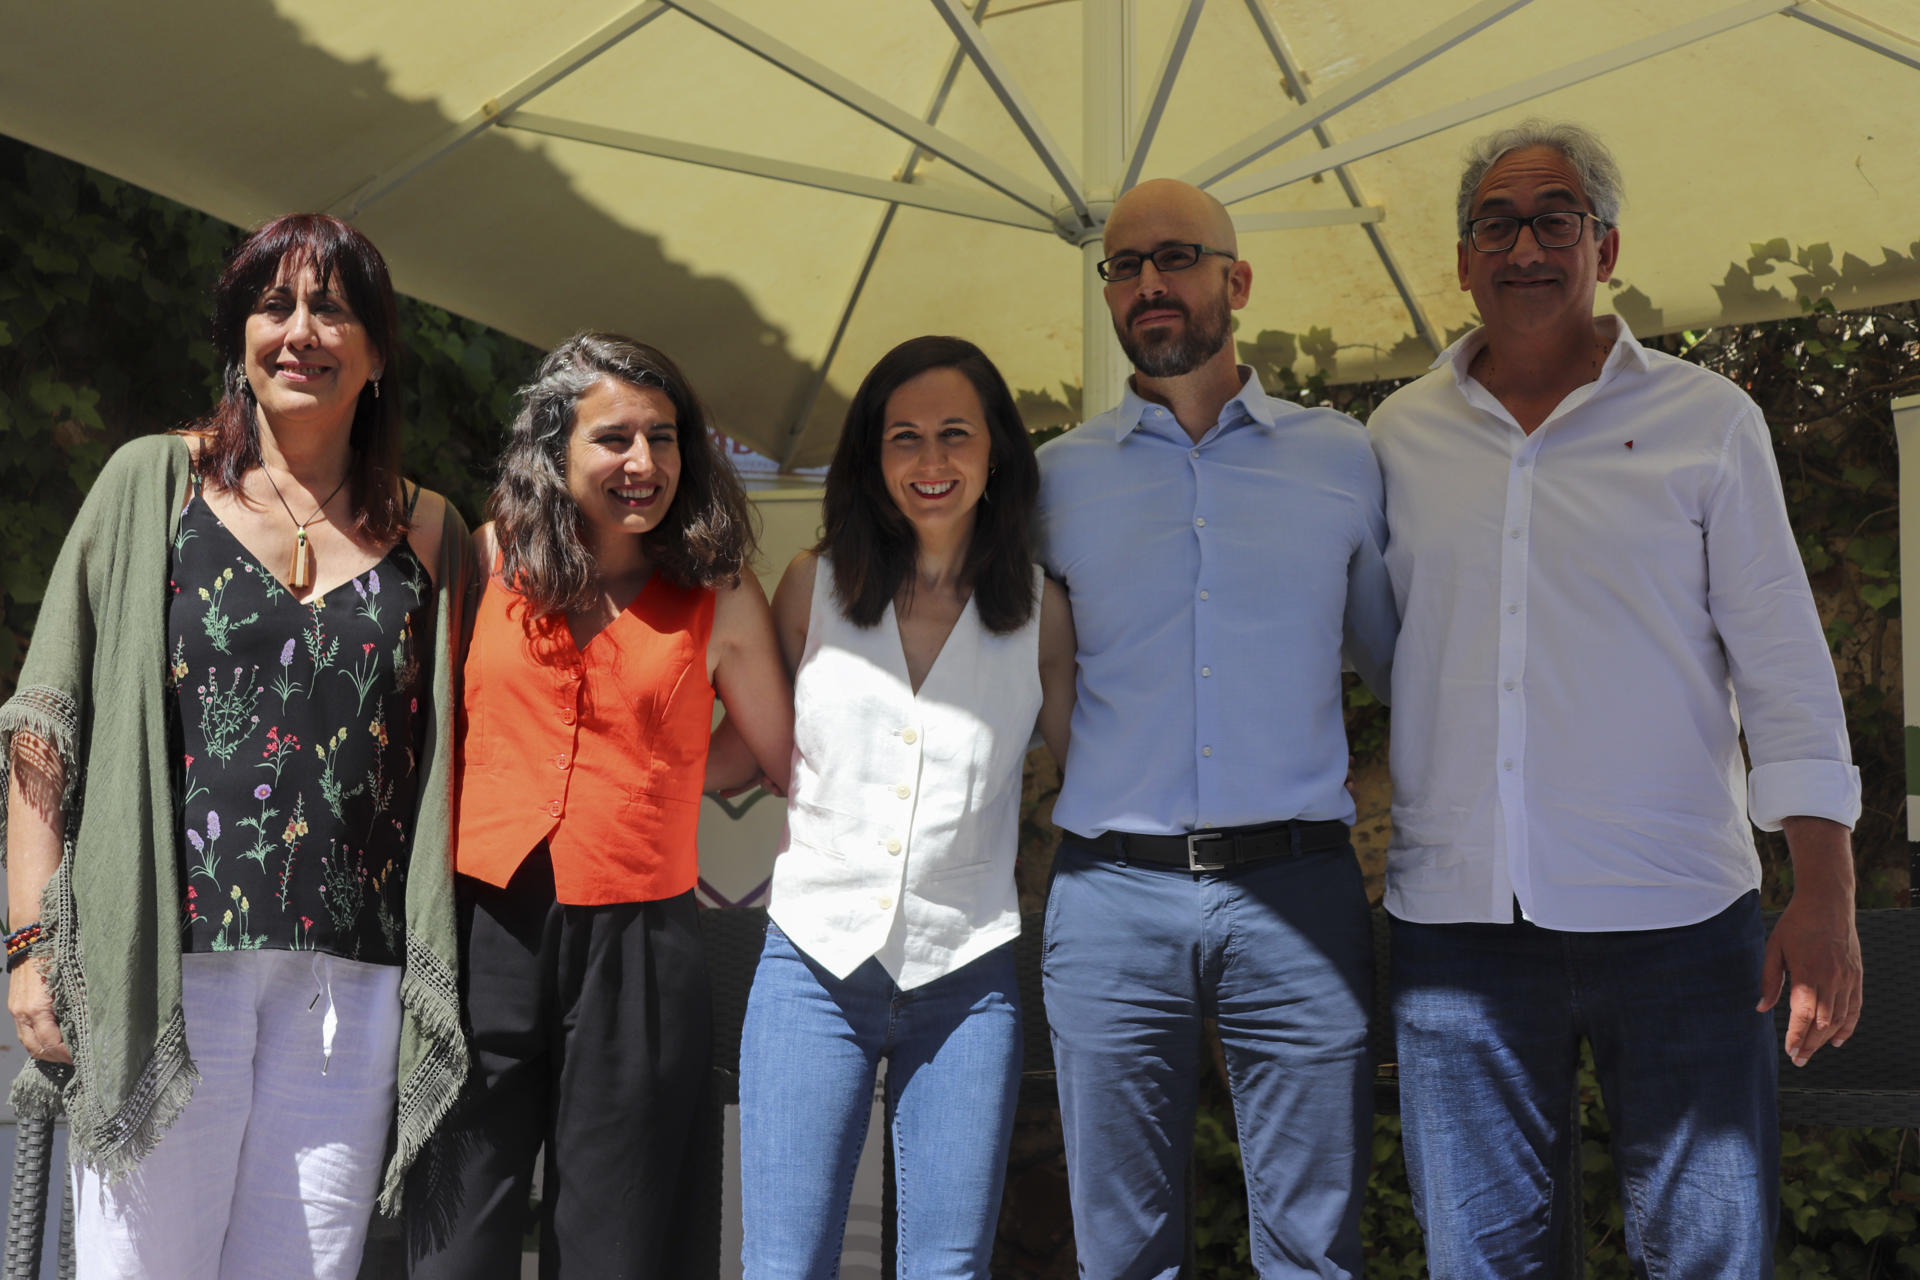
(1280, 954)
(809, 1053)
(1488, 1020)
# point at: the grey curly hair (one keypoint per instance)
(1591, 161)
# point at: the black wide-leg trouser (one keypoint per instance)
(591, 1034)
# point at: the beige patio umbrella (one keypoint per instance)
(778, 190)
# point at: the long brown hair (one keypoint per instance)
(704, 540)
(873, 545)
(345, 261)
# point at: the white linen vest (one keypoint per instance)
(903, 818)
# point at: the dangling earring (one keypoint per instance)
(376, 388)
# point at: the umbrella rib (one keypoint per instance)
(818, 383)
(1249, 185)
(953, 200)
(1297, 219)
(1006, 88)
(354, 202)
(1283, 57)
(1401, 61)
(868, 104)
(1867, 34)
(1162, 90)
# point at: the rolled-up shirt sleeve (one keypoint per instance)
(1783, 675)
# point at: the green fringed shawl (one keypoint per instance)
(94, 688)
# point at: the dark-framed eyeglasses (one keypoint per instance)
(1559, 229)
(1168, 257)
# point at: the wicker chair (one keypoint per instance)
(27, 1205)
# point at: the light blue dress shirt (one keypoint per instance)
(1215, 587)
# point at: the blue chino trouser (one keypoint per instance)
(1488, 1020)
(1280, 954)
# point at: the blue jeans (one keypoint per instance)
(1488, 1019)
(1280, 954)
(808, 1056)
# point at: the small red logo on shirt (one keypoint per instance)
(1629, 444)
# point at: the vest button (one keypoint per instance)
(903, 791)
(560, 761)
(908, 736)
(554, 808)
(893, 846)
(566, 717)
(886, 903)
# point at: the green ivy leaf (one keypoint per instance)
(1878, 595)
(51, 261)
(1868, 1224)
(114, 259)
(1861, 477)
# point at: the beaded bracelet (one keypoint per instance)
(19, 942)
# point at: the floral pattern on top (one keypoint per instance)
(298, 735)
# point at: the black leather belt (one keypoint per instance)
(1219, 849)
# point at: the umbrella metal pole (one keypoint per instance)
(1906, 431)
(1106, 127)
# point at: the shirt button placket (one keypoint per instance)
(1206, 719)
(1510, 716)
(568, 696)
(902, 790)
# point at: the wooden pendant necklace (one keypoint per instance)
(300, 573)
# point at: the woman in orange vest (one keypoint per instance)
(620, 600)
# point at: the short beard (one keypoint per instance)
(1172, 357)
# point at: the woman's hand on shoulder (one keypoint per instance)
(793, 606)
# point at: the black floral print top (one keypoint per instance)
(297, 725)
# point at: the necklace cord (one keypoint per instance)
(300, 572)
(298, 524)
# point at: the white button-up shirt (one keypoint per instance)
(1590, 615)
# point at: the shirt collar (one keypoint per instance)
(1250, 404)
(1627, 348)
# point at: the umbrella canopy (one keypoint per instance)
(776, 192)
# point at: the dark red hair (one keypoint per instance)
(347, 263)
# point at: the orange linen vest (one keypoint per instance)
(601, 752)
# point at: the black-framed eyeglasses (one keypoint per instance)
(1559, 229)
(1168, 257)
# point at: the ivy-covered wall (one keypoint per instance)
(103, 336)
(105, 306)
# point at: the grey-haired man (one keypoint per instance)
(1599, 592)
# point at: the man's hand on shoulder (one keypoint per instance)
(1815, 945)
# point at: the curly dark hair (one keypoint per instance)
(873, 545)
(704, 540)
(345, 261)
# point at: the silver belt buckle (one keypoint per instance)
(1194, 862)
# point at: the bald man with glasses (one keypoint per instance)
(1221, 547)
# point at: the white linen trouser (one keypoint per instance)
(273, 1167)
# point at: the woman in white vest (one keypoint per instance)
(925, 644)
